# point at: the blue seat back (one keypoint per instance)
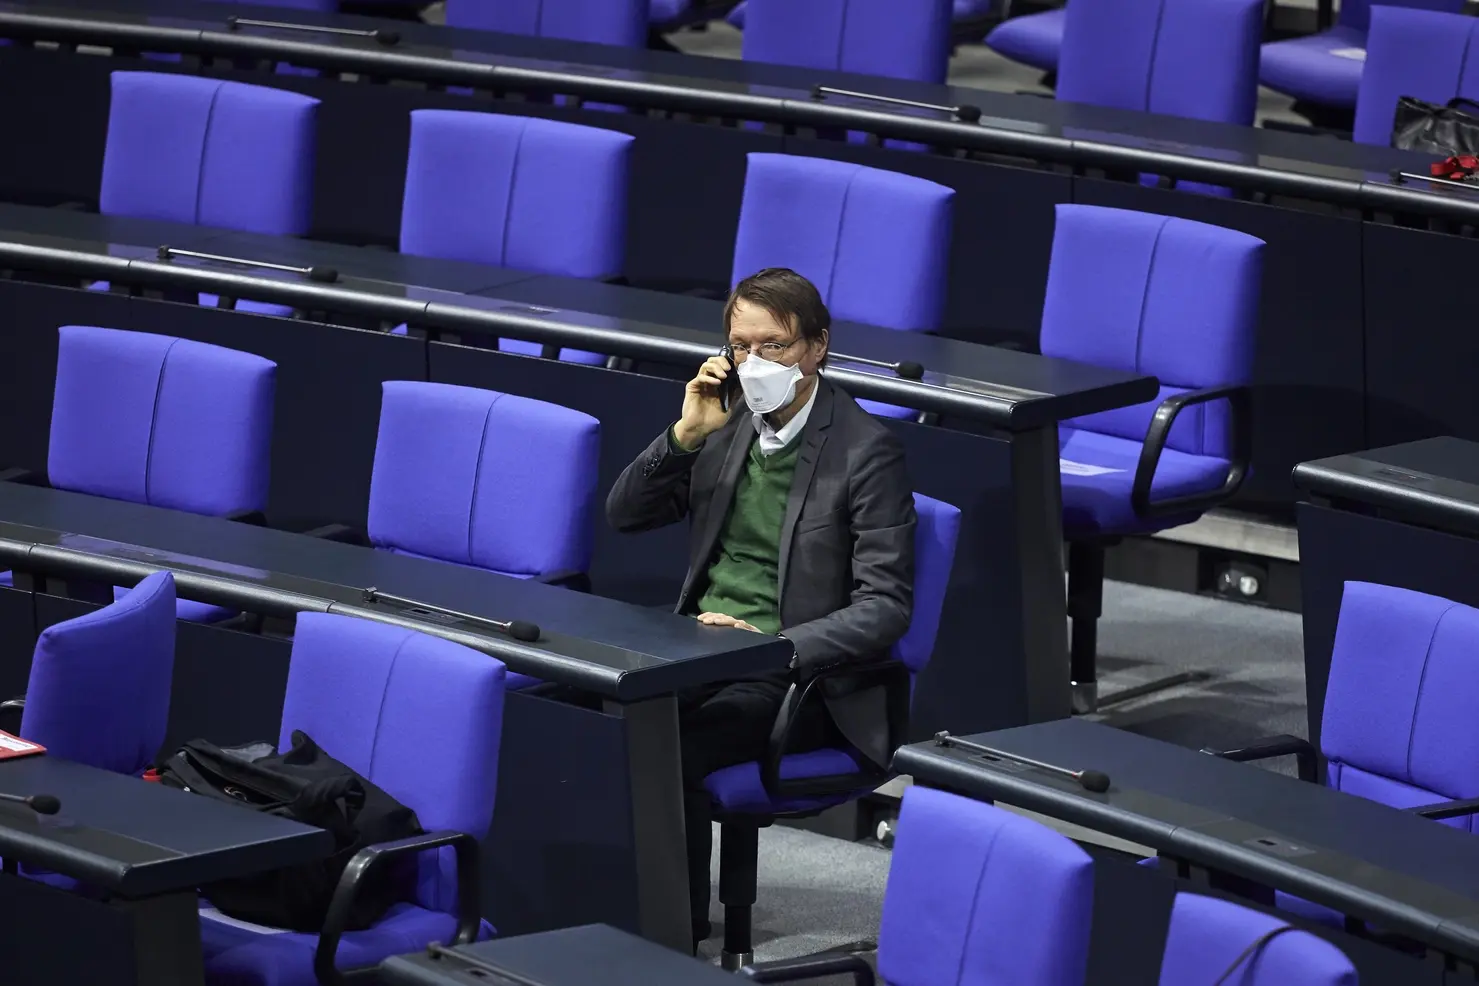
(1192, 58)
(515, 191)
(978, 896)
(1398, 725)
(418, 716)
(484, 479)
(163, 421)
(1357, 13)
(875, 243)
(607, 22)
(935, 537)
(1420, 53)
(1207, 936)
(869, 37)
(100, 684)
(1150, 294)
(195, 150)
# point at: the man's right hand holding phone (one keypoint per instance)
(703, 408)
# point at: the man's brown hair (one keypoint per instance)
(789, 298)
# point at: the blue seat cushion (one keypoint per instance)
(887, 410)
(185, 609)
(1099, 470)
(525, 348)
(238, 953)
(738, 788)
(1034, 39)
(1310, 69)
(211, 300)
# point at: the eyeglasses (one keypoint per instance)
(766, 350)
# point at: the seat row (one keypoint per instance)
(1371, 57)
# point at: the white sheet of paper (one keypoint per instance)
(1354, 54)
(1083, 468)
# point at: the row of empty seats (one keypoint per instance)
(1373, 55)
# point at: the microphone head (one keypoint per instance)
(1094, 781)
(910, 370)
(816, 93)
(968, 113)
(323, 275)
(44, 804)
(524, 630)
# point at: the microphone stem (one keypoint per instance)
(945, 739)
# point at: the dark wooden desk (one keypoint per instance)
(593, 955)
(146, 848)
(589, 823)
(1398, 871)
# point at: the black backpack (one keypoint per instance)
(308, 786)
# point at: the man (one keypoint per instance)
(802, 519)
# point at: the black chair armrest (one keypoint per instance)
(1282, 745)
(11, 713)
(1155, 443)
(24, 477)
(811, 967)
(254, 517)
(568, 579)
(469, 904)
(891, 675)
(1439, 811)
(340, 532)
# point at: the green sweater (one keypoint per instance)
(743, 580)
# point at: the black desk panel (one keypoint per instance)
(1405, 516)
(1365, 859)
(593, 955)
(1420, 335)
(327, 375)
(1310, 360)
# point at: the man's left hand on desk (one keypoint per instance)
(720, 620)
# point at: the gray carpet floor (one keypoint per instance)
(818, 893)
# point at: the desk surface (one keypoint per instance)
(1014, 390)
(139, 839)
(1390, 867)
(1432, 483)
(617, 649)
(593, 955)
(682, 79)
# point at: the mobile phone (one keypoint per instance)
(731, 385)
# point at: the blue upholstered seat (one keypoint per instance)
(514, 191)
(483, 479)
(164, 421)
(195, 150)
(1169, 297)
(607, 22)
(1325, 69)
(867, 37)
(418, 716)
(741, 798)
(875, 243)
(1207, 936)
(1032, 39)
(1424, 54)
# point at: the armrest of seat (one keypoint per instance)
(891, 675)
(1155, 443)
(567, 579)
(11, 711)
(336, 920)
(342, 533)
(1287, 126)
(254, 517)
(1282, 745)
(1437, 812)
(23, 477)
(811, 967)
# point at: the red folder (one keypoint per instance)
(13, 746)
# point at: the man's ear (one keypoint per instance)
(823, 346)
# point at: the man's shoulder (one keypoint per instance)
(862, 428)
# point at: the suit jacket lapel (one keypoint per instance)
(741, 434)
(813, 437)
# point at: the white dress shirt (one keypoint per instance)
(773, 440)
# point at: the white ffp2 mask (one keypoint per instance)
(768, 386)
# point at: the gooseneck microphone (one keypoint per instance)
(908, 369)
(965, 113)
(1091, 780)
(321, 275)
(521, 630)
(41, 804)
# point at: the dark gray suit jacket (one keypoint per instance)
(847, 543)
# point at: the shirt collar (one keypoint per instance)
(772, 439)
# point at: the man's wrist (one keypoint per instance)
(795, 657)
(683, 440)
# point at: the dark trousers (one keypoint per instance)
(720, 726)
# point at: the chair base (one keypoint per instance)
(1086, 699)
(735, 961)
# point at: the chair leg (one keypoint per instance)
(739, 858)
(1085, 605)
